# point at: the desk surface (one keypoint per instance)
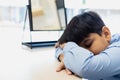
(46, 70)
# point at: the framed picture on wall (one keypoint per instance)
(47, 15)
(47, 21)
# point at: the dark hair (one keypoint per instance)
(81, 26)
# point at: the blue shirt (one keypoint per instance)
(104, 66)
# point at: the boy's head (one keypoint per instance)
(85, 29)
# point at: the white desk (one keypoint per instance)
(46, 70)
(38, 64)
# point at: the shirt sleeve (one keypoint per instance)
(83, 63)
(58, 51)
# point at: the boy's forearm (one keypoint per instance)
(83, 62)
(59, 53)
(75, 57)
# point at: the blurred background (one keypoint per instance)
(50, 17)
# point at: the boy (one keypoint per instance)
(87, 49)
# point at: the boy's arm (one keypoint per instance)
(83, 63)
(59, 53)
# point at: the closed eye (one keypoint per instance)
(87, 43)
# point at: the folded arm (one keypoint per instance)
(83, 63)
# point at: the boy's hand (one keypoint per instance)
(62, 45)
(62, 67)
(57, 45)
(61, 57)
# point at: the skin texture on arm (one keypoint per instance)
(62, 67)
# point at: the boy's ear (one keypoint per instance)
(106, 33)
